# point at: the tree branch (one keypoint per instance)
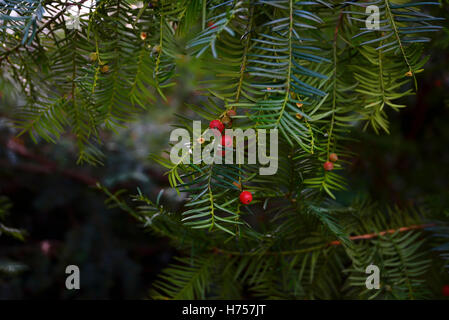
(46, 166)
(45, 25)
(322, 246)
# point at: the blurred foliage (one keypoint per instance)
(54, 200)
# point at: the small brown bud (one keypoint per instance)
(104, 68)
(333, 157)
(231, 113)
(157, 49)
(226, 121)
(93, 56)
(200, 140)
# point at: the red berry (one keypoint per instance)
(246, 197)
(231, 113)
(445, 290)
(226, 141)
(328, 166)
(210, 24)
(216, 124)
(333, 157)
(438, 83)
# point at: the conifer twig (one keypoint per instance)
(45, 25)
(332, 243)
(382, 233)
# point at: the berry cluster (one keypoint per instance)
(329, 165)
(226, 141)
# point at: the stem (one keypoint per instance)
(334, 92)
(325, 245)
(287, 91)
(203, 22)
(45, 25)
(393, 24)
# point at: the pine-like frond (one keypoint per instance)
(188, 279)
